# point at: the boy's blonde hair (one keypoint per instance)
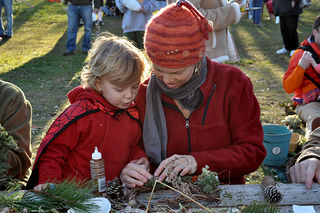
(115, 59)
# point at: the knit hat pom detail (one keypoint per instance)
(175, 36)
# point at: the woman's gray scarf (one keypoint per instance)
(154, 128)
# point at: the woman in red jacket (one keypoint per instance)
(195, 112)
(102, 114)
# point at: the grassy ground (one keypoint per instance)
(32, 59)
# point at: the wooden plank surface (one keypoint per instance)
(238, 195)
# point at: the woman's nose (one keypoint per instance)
(166, 78)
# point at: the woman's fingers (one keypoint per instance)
(183, 164)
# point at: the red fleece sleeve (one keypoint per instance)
(51, 162)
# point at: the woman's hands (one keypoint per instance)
(183, 164)
(136, 173)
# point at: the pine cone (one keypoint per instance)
(272, 194)
(115, 189)
(267, 181)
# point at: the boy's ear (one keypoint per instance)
(98, 85)
(315, 32)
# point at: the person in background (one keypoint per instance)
(16, 118)
(111, 8)
(270, 9)
(191, 109)
(6, 33)
(101, 114)
(80, 9)
(288, 11)
(256, 15)
(97, 17)
(302, 79)
(161, 4)
(134, 22)
(220, 46)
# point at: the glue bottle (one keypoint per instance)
(97, 170)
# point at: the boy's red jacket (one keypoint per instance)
(89, 121)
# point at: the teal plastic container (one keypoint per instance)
(276, 140)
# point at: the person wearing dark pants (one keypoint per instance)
(288, 11)
(288, 27)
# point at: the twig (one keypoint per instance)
(154, 186)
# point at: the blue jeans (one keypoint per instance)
(106, 11)
(161, 4)
(7, 4)
(75, 12)
(257, 13)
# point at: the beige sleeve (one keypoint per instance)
(221, 17)
(312, 147)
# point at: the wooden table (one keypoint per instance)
(237, 195)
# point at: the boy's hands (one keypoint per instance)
(136, 173)
(40, 187)
(304, 61)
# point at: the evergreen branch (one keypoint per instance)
(7, 143)
(258, 207)
(54, 198)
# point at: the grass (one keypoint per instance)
(32, 59)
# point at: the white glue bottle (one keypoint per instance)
(97, 170)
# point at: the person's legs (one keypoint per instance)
(85, 13)
(8, 10)
(309, 113)
(257, 13)
(292, 25)
(73, 25)
(250, 13)
(131, 37)
(284, 31)
(1, 23)
(161, 4)
(139, 39)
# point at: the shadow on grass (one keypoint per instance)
(47, 79)
(24, 16)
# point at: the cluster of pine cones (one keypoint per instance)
(270, 189)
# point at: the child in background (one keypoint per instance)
(101, 114)
(134, 22)
(270, 9)
(314, 94)
(97, 17)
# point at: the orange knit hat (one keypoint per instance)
(175, 36)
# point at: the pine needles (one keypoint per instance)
(257, 207)
(54, 198)
(7, 143)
